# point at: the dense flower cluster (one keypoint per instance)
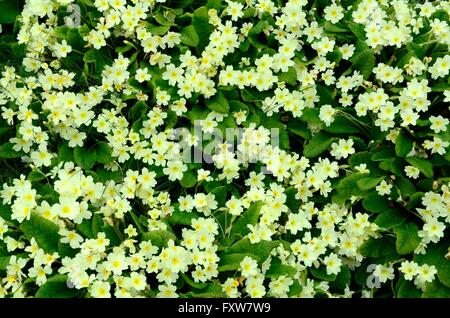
(336, 182)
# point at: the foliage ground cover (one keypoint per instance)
(116, 180)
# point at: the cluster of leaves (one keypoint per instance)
(306, 135)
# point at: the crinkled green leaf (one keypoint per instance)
(390, 218)
(317, 145)
(57, 287)
(367, 183)
(9, 9)
(373, 202)
(45, 232)
(7, 151)
(85, 158)
(407, 238)
(423, 165)
(159, 237)
(218, 103)
(189, 36)
(250, 216)
(403, 145)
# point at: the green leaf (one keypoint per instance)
(299, 128)
(295, 289)
(261, 249)
(368, 183)
(56, 287)
(255, 31)
(292, 203)
(435, 255)
(377, 247)
(103, 153)
(390, 218)
(97, 57)
(171, 119)
(85, 158)
(258, 28)
(342, 279)
(317, 145)
(97, 224)
(64, 250)
(111, 234)
(383, 153)
(5, 212)
(220, 195)
(407, 289)
(311, 116)
(159, 237)
(403, 145)
(407, 238)
(192, 283)
(361, 275)
(65, 153)
(359, 143)
(19, 51)
(405, 186)
(334, 56)
(7, 151)
(189, 36)
(393, 165)
(232, 262)
(4, 130)
(414, 200)
(197, 113)
(440, 87)
(200, 20)
(425, 185)
(74, 38)
(364, 157)
(342, 125)
(251, 216)
(4, 262)
(212, 291)
(325, 95)
(423, 165)
(35, 176)
(137, 222)
(436, 290)
(236, 105)
(9, 11)
(189, 179)
(364, 62)
(373, 202)
(128, 47)
(138, 111)
(85, 228)
(347, 188)
(45, 232)
(282, 136)
(278, 130)
(161, 19)
(180, 3)
(278, 269)
(289, 77)
(182, 218)
(104, 175)
(214, 4)
(46, 191)
(335, 28)
(211, 185)
(218, 103)
(321, 273)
